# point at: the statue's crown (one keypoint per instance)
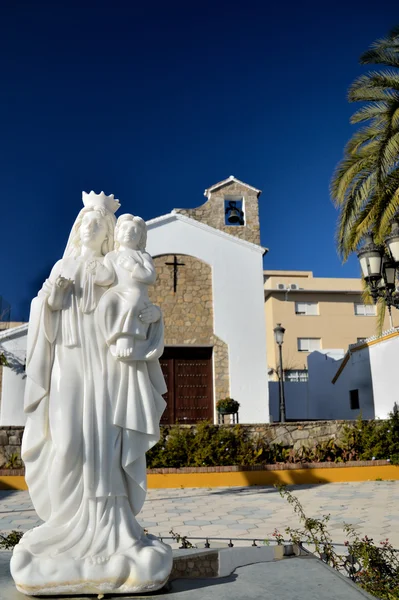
(107, 202)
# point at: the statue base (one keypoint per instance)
(145, 567)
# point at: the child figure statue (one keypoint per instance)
(121, 308)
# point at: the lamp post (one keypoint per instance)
(279, 337)
(379, 266)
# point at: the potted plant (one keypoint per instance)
(227, 406)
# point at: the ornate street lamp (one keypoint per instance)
(279, 338)
(379, 266)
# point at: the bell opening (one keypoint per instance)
(234, 214)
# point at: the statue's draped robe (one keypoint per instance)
(90, 420)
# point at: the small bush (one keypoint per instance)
(209, 445)
(374, 439)
(9, 540)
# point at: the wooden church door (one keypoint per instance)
(189, 379)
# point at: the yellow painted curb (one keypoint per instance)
(13, 482)
(288, 476)
(247, 478)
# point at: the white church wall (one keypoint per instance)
(384, 362)
(238, 296)
(13, 384)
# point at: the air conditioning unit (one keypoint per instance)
(281, 286)
(294, 286)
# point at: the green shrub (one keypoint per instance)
(374, 439)
(11, 539)
(209, 445)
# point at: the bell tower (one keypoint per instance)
(232, 206)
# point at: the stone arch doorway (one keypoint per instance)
(192, 350)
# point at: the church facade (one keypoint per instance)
(210, 289)
(209, 265)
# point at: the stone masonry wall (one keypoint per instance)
(213, 212)
(297, 434)
(188, 312)
(10, 445)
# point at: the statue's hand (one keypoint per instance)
(126, 262)
(63, 283)
(150, 314)
(56, 297)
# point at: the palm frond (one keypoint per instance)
(388, 79)
(357, 227)
(369, 111)
(356, 201)
(347, 173)
(366, 296)
(395, 118)
(381, 56)
(365, 184)
(381, 312)
(366, 93)
(391, 206)
(361, 140)
(390, 154)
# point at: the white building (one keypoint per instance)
(368, 377)
(345, 385)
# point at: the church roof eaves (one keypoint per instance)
(8, 333)
(220, 184)
(193, 222)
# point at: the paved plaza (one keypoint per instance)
(247, 512)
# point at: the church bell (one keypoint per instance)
(234, 215)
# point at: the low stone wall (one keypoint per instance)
(10, 446)
(295, 434)
(299, 434)
(202, 564)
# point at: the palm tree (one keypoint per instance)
(365, 185)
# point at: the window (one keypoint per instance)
(306, 308)
(365, 310)
(300, 376)
(234, 212)
(354, 399)
(309, 344)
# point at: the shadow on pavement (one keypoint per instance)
(295, 481)
(185, 585)
(6, 493)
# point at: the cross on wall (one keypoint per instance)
(175, 264)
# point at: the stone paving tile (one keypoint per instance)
(373, 507)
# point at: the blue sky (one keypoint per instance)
(157, 101)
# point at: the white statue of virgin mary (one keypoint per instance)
(84, 464)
